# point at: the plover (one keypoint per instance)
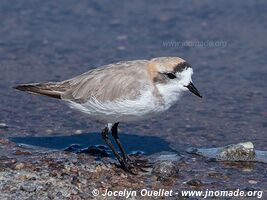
(122, 92)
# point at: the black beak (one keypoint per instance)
(193, 89)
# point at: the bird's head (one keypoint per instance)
(172, 73)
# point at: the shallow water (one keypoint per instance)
(132, 143)
(55, 40)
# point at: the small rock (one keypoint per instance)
(3, 126)
(235, 152)
(252, 182)
(165, 170)
(241, 151)
(78, 131)
(51, 195)
(28, 187)
(49, 131)
(25, 153)
(73, 170)
(19, 166)
(75, 180)
(4, 141)
(195, 182)
(73, 148)
(97, 150)
(32, 178)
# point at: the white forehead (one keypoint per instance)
(185, 77)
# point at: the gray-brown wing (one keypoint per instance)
(121, 80)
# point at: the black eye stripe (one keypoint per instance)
(170, 75)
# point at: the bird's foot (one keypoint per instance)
(128, 167)
(134, 165)
(142, 164)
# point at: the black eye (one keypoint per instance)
(171, 75)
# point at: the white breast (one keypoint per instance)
(170, 93)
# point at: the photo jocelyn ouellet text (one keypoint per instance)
(185, 193)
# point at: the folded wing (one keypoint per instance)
(124, 80)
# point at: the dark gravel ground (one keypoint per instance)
(55, 40)
(36, 173)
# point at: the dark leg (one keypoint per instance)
(136, 163)
(123, 162)
(114, 131)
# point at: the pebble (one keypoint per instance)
(3, 126)
(194, 182)
(252, 182)
(75, 180)
(19, 166)
(78, 131)
(165, 170)
(19, 153)
(28, 187)
(4, 141)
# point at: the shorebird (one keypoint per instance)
(126, 91)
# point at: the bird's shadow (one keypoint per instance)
(132, 143)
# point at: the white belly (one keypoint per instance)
(121, 110)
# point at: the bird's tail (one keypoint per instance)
(48, 89)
